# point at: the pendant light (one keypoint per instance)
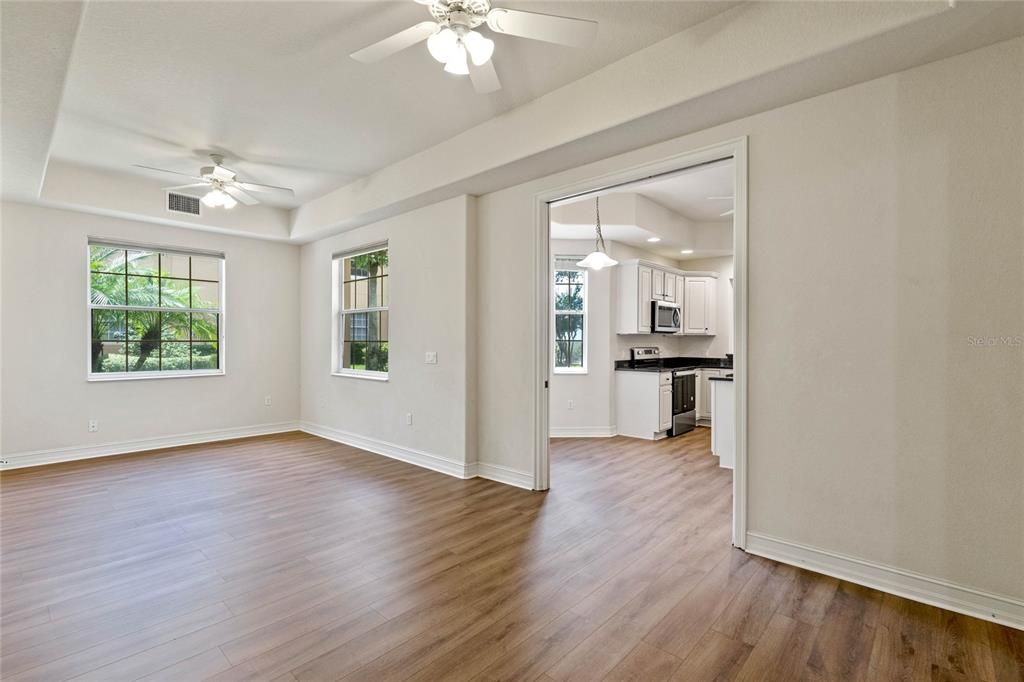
(598, 259)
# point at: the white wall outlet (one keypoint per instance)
(572, 404)
(94, 425)
(408, 418)
(267, 401)
(430, 358)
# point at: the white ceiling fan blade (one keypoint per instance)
(164, 170)
(484, 77)
(222, 173)
(257, 187)
(546, 27)
(192, 186)
(395, 43)
(240, 195)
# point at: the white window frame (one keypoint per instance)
(136, 376)
(338, 315)
(563, 263)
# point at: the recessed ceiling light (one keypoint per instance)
(654, 239)
(686, 251)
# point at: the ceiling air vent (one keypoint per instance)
(182, 203)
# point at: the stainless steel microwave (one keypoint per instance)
(665, 317)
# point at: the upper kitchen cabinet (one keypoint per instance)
(699, 311)
(664, 285)
(636, 291)
(641, 282)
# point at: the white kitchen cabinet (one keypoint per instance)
(670, 287)
(663, 285)
(665, 407)
(641, 282)
(699, 310)
(723, 425)
(634, 300)
(643, 403)
(643, 301)
(681, 302)
(704, 404)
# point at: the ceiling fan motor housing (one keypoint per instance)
(461, 13)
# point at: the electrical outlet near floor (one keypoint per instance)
(267, 401)
(94, 425)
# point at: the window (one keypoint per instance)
(154, 312)
(570, 305)
(361, 302)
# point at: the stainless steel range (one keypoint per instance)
(684, 401)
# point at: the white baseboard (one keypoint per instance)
(493, 472)
(33, 458)
(504, 474)
(582, 431)
(966, 600)
(426, 460)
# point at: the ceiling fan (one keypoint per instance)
(226, 190)
(452, 39)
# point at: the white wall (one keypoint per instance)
(591, 393)
(431, 282)
(886, 233)
(46, 399)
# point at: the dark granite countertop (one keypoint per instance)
(727, 377)
(668, 364)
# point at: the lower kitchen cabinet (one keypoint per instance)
(643, 404)
(665, 407)
(704, 404)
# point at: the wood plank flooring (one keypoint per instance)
(293, 558)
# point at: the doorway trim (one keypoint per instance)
(737, 150)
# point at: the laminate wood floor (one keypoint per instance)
(294, 558)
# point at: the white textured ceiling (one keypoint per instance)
(688, 192)
(684, 193)
(270, 84)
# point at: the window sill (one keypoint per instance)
(569, 371)
(137, 376)
(368, 376)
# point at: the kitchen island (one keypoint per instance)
(723, 420)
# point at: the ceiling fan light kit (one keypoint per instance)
(453, 41)
(218, 198)
(225, 189)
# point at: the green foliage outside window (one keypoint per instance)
(158, 338)
(569, 293)
(365, 298)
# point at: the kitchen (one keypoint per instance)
(643, 348)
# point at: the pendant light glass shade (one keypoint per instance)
(217, 198)
(598, 259)
(441, 45)
(457, 62)
(480, 48)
